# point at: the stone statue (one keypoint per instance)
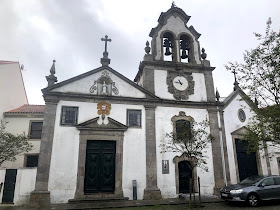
(104, 89)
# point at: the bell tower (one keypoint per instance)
(173, 38)
(175, 69)
(177, 63)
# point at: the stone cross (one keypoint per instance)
(234, 72)
(106, 40)
(235, 81)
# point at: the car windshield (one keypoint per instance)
(251, 180)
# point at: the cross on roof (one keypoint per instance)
(105, 61)
(106, 40)
(234, 72)
(235, 81)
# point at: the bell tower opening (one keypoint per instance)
(186, 49)
(169, 46)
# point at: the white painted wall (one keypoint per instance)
(25, 184)
(274, 152)
(161, 88)
(232, 123)
(19, 125)
(64, 162)
(166, 182)
(83, 86)
(12, 91)
(177, 26)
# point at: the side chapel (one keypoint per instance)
(101, 130)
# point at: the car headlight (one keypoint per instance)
(236, 191)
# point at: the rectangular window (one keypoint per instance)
(134, 118)
(69, 115)
(35, 130)
(31, 160)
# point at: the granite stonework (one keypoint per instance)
(225, 149)
(151, 191)
(41, 195)
(92, 131)
(216, 150)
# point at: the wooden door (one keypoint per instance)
(100, 167)
(9, 186)
(185, 174)
(247, 163)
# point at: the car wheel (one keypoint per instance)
(253, 200)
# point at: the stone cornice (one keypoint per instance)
(171, 66)
(57, 96)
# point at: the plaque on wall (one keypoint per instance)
(165, 166)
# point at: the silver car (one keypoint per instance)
(253, 190)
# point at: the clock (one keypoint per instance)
(180, 83)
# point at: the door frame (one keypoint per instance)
(92, 131)
(176, 161)
(238, 134)
(99, 136)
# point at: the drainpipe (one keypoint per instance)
(222, 145)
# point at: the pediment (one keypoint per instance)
(240, 131)
(93, 124)
(91, 84)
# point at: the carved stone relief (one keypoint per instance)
(104, 85)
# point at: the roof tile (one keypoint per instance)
(27, 108)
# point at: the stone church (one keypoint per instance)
(101, 130)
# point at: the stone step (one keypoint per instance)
(94, 200)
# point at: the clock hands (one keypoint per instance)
(179, 82)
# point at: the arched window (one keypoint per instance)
(186, 48)
(183, 130)
(168, 46)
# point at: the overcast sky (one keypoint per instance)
(34, 32)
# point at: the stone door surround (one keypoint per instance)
(91, 131)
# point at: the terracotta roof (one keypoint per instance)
(7, 62)
(26, 108)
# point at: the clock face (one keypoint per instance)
(180, 83)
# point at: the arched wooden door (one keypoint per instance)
(185, 174)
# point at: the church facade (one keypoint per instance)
(102, 132)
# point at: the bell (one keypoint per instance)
(184, 54)
(167, 51)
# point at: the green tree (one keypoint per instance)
(259, 77)
(190, 139)
(12, 145)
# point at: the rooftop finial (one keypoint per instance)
(147, 48)
(217, 94)
(203, 55)
(53, 68)
(173, 4)
(52, 78)
(235, 81)
(105, 61)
